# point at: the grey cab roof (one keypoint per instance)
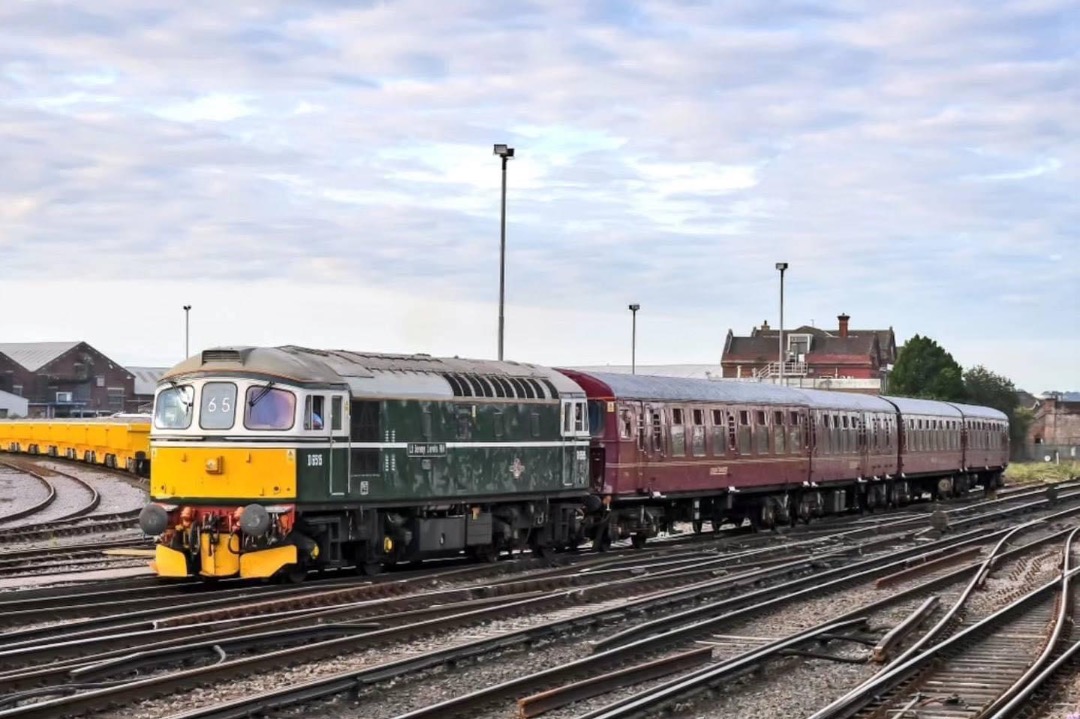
(381, 374)
(686, 389)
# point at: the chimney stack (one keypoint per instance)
(765, 325)
(843, 324)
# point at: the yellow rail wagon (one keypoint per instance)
(121, 441)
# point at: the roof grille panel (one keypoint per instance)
(220, 356)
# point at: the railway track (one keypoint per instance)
(548, 600)
(986, 669)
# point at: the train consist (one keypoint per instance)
(121, 441)
(272, 461)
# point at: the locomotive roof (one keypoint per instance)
(376, 374)
(687, 389)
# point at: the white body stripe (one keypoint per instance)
(367, 445)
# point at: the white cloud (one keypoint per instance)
(915, 162)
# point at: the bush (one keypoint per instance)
(1035, 472)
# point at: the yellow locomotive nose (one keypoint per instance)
(224, 473)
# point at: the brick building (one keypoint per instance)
(64, 379)
(1055, 431)
(856, 360)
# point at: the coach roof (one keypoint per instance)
(684, 389)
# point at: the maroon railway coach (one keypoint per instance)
(667, 449)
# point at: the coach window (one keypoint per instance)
(718, 432)
(779, 435)
(217, 410)
(626, 424)
(597, 418)
(269, 408)
(314, 416)
(172, 410)
(795, 446)
(678, 433)
(744, 432)
(697, 442)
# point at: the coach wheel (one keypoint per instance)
(698, 525)
(486, 553)
(602, 543)
(638, 540)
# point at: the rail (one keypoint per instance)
(877, 687)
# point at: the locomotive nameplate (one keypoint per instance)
(427, 449)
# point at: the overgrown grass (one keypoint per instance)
(1035, 472)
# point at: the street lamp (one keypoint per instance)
(505, 153)
(187, 330)
(633, 338)
(781, 266)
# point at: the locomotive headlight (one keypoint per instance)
(255, 520)
(153, 519)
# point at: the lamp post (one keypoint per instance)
(505, 152)
(187, 332)
(633, 337)
(781, 266)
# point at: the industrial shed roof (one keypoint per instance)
(35, 355)
(146, 378)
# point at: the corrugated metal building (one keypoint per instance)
(12, 405)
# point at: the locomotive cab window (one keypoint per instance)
(335, 414)
(314, 414)
(269, 408)
(173, 408)
(217, 410)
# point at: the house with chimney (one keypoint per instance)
(844, 359)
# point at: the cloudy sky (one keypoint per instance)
(321, 173)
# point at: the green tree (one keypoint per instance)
(993, 390)
(924, 369)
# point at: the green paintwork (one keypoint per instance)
(429, 469)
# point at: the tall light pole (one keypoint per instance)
(187, 330)
(781, 266)
(505, 153)
(633, 338)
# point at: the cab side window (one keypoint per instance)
(314, 412)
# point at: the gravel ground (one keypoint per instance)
(70, 496)
(18, 491)
(116, 494)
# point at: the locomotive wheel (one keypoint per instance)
(638, 540)
(370, 569)
(698, 524)
(295, 574)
